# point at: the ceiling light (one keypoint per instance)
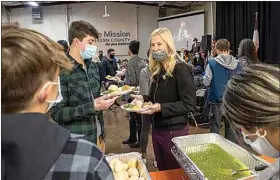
(161, 3)
(33, 3)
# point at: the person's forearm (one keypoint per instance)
(208, 76)
(67, 114)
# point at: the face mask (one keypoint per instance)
(159, 55)
(197, 56)
(59, 95)
(112, 56)
(89, 51)
(261, 145)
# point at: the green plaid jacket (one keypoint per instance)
(76, 111)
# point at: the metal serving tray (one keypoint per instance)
(140, 163)
(186, 144)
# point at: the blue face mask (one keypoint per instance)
(160, 55)
(89, 51)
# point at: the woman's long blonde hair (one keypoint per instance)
(168, 64)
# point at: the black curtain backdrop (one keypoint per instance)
(235, 21)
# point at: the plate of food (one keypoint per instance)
(137, 106)
(118, 91)
(113, 78)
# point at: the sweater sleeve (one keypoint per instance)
(186, 92)
(143, 82)
(208, 76)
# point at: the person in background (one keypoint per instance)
(195, 46)
(186, 54)
(109, 65)
(247, 53)
(81, 108)
(100, 55)
(124, 64)
(254, 108)
(32, 146)
(213, 51)
(198, 61)
(218, 72)
(65, 45)
(198, 78)
(173, 96)
(132, 74)
(205, 58)
(119, 64)
(144, 86)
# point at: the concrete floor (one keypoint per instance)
(117, 129)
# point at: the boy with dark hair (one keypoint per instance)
(81, 108)
(218, 72)
(33, 147)
(132, 74)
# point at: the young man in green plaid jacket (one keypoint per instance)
(80, 111)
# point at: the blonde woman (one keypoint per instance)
(173, 93)
(251, 102)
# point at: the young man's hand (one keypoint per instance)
(104, 102)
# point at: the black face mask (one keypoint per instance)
(112, 56)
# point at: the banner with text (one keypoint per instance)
(116, 31)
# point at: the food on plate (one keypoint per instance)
(108, 77)
(212, 158)
(125, 170)
(112, 78)
(137, 105)
(126, 87)
(147, 104)
(112, 89)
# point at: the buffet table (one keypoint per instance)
(178, 174)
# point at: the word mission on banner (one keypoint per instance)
(114, 38)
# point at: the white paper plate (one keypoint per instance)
(114, 78)
(134, 110)
(120, 93)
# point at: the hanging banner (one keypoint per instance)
(115, 31)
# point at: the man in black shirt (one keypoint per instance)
(108, 65)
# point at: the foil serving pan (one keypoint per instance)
(125, 157)
(187, 144)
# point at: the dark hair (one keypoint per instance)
(101, 51)
(79, 29)
(134, 46)
(198, 70)
(195, 39)
(64, 45)
(222, 45)
(148, 53)
(247, 48)
(110, 50)
(186, 52)
(29, 58)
